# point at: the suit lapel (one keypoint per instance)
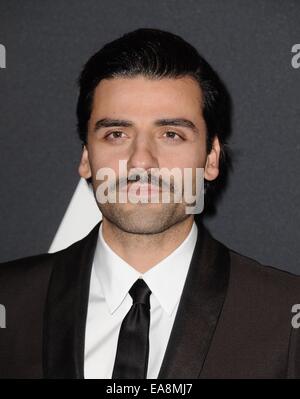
(199, 309)
(196, 319)
(66, 309)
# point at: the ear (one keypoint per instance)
(84, 168)
(211, 170)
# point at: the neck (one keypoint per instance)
(133, 247)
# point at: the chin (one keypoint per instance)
(144, 218)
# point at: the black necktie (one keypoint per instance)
(133, 343)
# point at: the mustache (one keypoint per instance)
(155, 181)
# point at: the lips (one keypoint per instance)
(141, 189)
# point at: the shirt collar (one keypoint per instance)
(165, 280)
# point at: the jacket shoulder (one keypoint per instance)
(22, 273)
(39, 263)
(264, 279)
(31, 272)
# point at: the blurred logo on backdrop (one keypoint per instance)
(2, 316)
(296, 57)
(2, 56)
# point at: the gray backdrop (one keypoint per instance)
(248, 42)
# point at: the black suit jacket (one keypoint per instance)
(233, 319)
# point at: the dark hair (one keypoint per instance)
(155, 54)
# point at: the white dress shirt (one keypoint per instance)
(109, 302)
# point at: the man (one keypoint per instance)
(149, 293)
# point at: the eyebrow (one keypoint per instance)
(107, 122)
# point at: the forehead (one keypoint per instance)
(145, 96)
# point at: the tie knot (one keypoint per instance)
(140, 292)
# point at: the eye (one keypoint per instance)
(173, 136)
(116, 134)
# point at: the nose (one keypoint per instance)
(143, 154)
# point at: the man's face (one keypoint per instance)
(145, 143)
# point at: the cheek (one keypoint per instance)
(103, 163)
(197, 156)
(97, 161)
(192, 157)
